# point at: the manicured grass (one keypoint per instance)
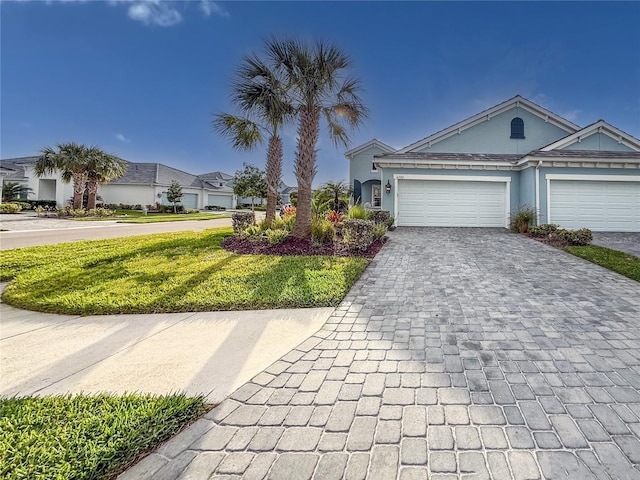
(85, 437)
(620, 262)
(173, 272)
(135, 216)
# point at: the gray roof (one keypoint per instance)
(457, 157)
(595, 154)
(216, 176)
(13, 168)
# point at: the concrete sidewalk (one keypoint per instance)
(210, 353)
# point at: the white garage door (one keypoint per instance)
(189, 200)
(598, 205)
(450, 203)
(225, 201)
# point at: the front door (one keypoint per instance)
(375, 196)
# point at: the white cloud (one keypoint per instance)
(122, 138)
(153, 12)
(572, 115)
(209, 6)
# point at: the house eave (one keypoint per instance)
(444, 164)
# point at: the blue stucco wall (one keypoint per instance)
(360, 169)
(599, 142)
(493, 136)
(527, 194)
(388, 173)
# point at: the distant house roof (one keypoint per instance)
(13, 168)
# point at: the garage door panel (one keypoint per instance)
(598, 205)
(451, 203)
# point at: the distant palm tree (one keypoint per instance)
(15, 191)
(70, 160)
(261, 97)
(101, 168)
(317, 87)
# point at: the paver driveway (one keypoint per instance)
(460, 353)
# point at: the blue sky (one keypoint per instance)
(141, 79)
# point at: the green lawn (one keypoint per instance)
(620, 262)
(173, 272)
(136, 216)
(85, 437)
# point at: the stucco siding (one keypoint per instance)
(493, 136)
(360, 166)
(527, 195)
(599, 142)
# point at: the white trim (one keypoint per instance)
(599, 127)
(395, 199)
(548, 199)
(456, 178)
(537, 174)
(486, 115)
(365, 146)
(606, 178)
(374, 185)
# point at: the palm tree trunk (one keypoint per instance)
(274, 174)
(78, 189)
(92, 186)
(305, 168)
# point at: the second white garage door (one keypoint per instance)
(451, 203)
(598, 205)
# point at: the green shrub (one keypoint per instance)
(522, 220)
(253, 231)
(379, 231)
(358, 212)
(23, 205)
(276, 236)
(390, 222)
(10, 208)
(191, 210)
(70, 212)
(100, 212)
(322, 231)
(579, 237)
(241, 221)
(289, 221)
(357, 234)
(543, 230)
(381, 216)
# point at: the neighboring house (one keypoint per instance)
(284, 192)
(480, 171)
(142, 184)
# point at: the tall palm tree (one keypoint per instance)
(317, 87)
(70, 160)
(261, 98)
(101, 167)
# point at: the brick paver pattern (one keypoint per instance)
(460, 353)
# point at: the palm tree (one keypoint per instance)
(317, 87)
(70, 160)
(336, 193)
(101, 167)
(15, 191)
(261, 97)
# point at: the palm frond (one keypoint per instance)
(244, 133)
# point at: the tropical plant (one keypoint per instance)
(322, 231)
(334, 216)
(358, 212)
(250, 182)
(174, 193)
(260, 95)
(70, 159)
(15, 191)
(317, 87)
(101, 168)
(336, 192)
(523, 219)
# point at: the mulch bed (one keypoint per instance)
(296, 246)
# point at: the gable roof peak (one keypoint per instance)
(374, 142)
(486, 115)
(599, 126)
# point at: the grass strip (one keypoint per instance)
(86, 437)
(172, 272)
(619, 262)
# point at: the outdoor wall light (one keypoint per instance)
(387, 187)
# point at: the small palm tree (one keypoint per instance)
(336, 192)
(15, 191)
(317, 87)
(261, 97)
(70, 160)
(101, 168)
